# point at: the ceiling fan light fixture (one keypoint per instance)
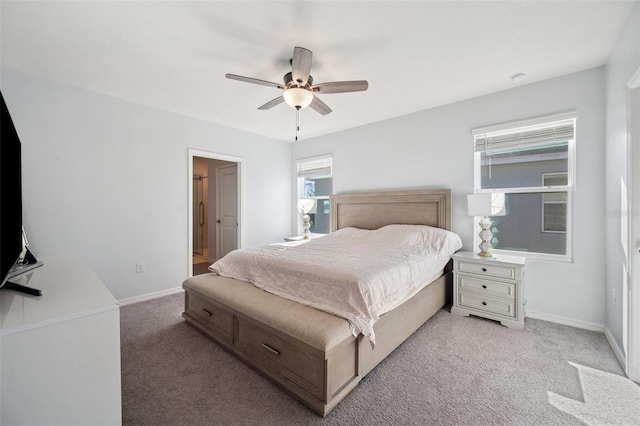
(297, 97)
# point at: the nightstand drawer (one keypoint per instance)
(487, 269)
(503, 307)
(492, 288)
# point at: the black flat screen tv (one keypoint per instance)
(14, 256)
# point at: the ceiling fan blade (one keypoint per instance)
(272, 103)
(301, 65)
(319, 106)
(341, 86)
(254, 81)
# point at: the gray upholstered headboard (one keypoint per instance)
(372, 210)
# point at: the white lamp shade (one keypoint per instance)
(486, 204)
(297, 97)
(307, 205)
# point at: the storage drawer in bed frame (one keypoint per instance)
(319, 378)
(213, 316)
(319, 367)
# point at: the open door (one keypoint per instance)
(227, 209)
(215, 208)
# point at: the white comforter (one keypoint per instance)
(352, 273)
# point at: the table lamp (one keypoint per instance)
(485, 205)
(306, 206)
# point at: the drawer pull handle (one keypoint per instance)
(208, 312)
(484, 269)
(270, 349)
(484, 286)
(484, 303)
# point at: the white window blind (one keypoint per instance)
(532, 163)
(317, 166)
(562, 130)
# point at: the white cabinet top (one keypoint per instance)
(472, 256)
(69, 290)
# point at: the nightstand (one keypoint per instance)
(489, 287)
(300, 238)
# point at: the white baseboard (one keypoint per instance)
(622, 359)
(149, 296)
(565, 321)
(584, 325)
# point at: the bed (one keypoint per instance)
(309, 352)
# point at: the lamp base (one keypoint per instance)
(485, 237)
(306, 226)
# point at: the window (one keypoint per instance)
(532, 163)
(315, 181)
(554, 204)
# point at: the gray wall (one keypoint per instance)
(434, 149)
(623, 63)
(108, 179)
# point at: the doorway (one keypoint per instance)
(214, 208)
(200, 207)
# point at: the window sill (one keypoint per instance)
(536, 256)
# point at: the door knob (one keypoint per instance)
(218, 221)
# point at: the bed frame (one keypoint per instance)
(310, 353)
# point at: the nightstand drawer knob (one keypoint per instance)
(484, 269)
(484, 286)
(484, 303)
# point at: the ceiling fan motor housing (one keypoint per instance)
(289, 82)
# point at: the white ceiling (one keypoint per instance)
(415, 55)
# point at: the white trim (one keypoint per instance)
(632, 317)
(566, 258)
(149, 296)
(544, 203)
(213, 156)
(546, 257)
(542, 121)
(614, 346)
(586, 325)
(524, 123)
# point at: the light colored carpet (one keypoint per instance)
(609, 399)
(452, 371)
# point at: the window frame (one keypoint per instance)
(321, 172)
(545, 203)
(515, 127)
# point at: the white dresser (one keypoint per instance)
(489, 287)
(60, 352)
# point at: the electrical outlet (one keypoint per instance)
(139, 267)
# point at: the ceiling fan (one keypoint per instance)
(299, 90)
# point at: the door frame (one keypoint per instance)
(240, 196)
(632, 317)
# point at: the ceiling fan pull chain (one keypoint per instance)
(297, 121)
